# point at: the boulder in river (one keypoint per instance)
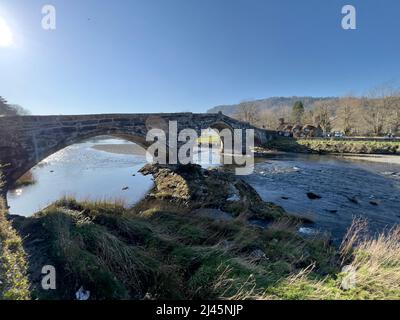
(389, 173)
(332, 211)
(353, 199)
(313, 196)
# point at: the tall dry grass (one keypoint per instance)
(370, 270)
(376, 261)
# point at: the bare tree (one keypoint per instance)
(346, 114)
(19, 110)
(308, 117)
(322, 115)
(269, 119)
(379, 107)
(273, 119)
(394, 120)
(391, 104)
(248, 112)
(7, 109)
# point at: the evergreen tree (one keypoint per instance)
(297, 112)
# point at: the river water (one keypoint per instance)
(347, 189)
(107, 169)
(84, 173)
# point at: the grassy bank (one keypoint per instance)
(371, 271)
(335, 146)
(14, 283)
(162, 251)
(165, 252)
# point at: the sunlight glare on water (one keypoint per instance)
(85, 173)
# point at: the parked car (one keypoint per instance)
(338, 134)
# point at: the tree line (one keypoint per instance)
(375, 114)
(8, 110)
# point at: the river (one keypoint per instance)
(107, 169)
(347, 189)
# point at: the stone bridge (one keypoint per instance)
(26, 140)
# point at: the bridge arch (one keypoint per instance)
(220, 127)
(42, 154)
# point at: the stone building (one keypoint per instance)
(299, 131)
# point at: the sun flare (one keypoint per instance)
(6, 36)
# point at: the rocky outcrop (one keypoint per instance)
(180, 182)
(197, 188)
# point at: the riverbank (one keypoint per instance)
(197, 235)
(324, 146)
(14, 282)
(388, 159)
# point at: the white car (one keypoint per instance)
(338, 134)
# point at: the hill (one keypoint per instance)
(270, 104)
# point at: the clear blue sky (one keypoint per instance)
(190, 55)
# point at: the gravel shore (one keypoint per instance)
(375, 158)
(133, 149)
